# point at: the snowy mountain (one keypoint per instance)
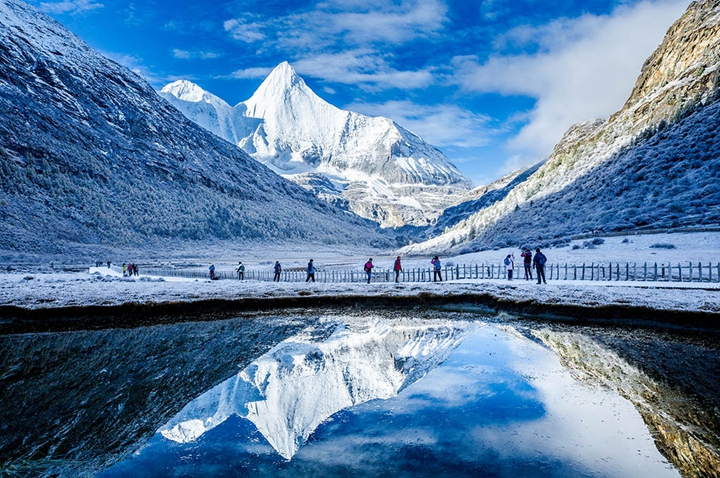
(90, 154)
(653, 164)
(300, 383)
(386, 173)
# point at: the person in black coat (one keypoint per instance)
(539, 264)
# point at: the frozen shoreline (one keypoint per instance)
(47, 301)
(104, 292)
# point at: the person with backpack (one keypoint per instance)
(527, 262)
(368, 269)
(241, 271)
(539, 264)
(437, 269)
(510, 265)
(278, 270)
(212, 272)
(310, 271)
(397, 267)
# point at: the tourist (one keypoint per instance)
(527, 262)
(510, 265)
(397, 267)
(368, 269)
(277, 270)
(437, 269)
(310, 271)
(212, 272)
(240, 271)
(539, 264)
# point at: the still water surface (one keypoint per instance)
(369, 395)
(387, 398)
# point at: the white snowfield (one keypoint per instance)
(104, 287)
(82, 289)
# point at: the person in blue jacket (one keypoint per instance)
(539, 264)
(310, 271)
(437, 269)
(277, 270)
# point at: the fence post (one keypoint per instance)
(699, 271)
(655, 273)
(690, 271)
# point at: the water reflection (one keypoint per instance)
(364, 395)
(289, 391)
(405, 398)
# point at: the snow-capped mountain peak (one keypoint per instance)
(189, 91)
(288, 127)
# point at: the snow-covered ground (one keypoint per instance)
(102, 286)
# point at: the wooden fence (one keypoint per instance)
(610, 271)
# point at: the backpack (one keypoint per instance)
(507, 261)
(542, 259)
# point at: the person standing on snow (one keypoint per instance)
(241, 271)
(527, 262)
(437, 269)
(310, 271)
(212, 272)
(368, 269)
(397, 267)
(539, 264)
(277, 270)
(510, 265)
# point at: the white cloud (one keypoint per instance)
(362, 68)
(584, 68)
(347, 41)
(251, 73)
(70, 6)
(195, 55)
(440, 125)
(244, 29)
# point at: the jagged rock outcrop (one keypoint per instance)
(91, 155)
(650, 165)
(389, 174)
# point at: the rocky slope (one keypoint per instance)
(386, 173)
(684, 423)
(652, 164)
(92, 157)
(81, 415)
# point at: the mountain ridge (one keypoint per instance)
(611, 175)
(377, 162)
(91, 155)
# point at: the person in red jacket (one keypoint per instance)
(368, 269)
(397, 268)
(527, 262)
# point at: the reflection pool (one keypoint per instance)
(378, 396)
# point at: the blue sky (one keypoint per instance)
(493, 84)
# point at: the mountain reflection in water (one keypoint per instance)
(405, 398)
